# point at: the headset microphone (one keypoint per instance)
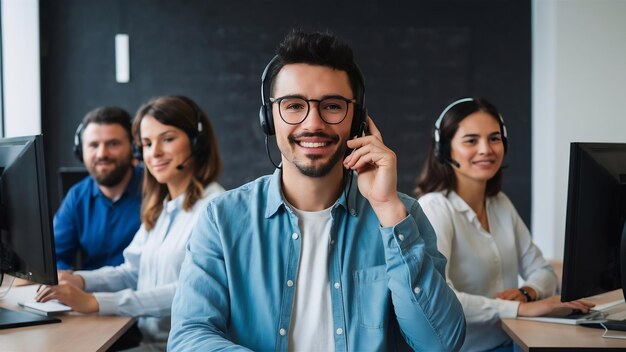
(267, 149)
(454, 163)
(181, 166)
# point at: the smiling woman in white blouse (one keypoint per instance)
(180, 153)
(478, 229)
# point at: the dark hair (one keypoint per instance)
(316, 48)
(439, 176)
(109, 115)
(180, 112)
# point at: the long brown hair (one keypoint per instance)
(180, 112)
(437, 174)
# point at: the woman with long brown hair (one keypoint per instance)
(181, 156)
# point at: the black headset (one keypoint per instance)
(441, 150)
(78, 144)
(266, 120)
(197, 139)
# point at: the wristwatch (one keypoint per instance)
(526, 294)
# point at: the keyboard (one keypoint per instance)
(576, 317)
(619, 325)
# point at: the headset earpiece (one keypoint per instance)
(266, 119)
(197, 139)
(78, 143)
(359, 119)
(437, 148)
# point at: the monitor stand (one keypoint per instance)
(13, 319)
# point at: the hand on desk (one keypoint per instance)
(552, 305)
(69, 294)
(514, 294)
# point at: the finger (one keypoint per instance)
(42, 290)
(357, 143)
(355, 155)
(577, 305)
(367, 160)
(44, 295)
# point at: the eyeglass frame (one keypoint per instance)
(308, 104)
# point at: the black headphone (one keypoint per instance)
(78, 144)
(266, 120)
(441, 150)
(197, 139)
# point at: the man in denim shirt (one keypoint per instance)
(314, 258)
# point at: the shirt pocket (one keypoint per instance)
(373, 297)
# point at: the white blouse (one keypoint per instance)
(144, 285)
(481, 263)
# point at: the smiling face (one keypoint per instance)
(313, 147)
(165, 148)
(107, 152)
(477, 147)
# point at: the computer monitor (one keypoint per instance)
(595, 236)
(26, 237)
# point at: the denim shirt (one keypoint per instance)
(237, 282)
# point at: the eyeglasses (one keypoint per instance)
(294, 109)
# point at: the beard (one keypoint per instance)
(113, 177)
(322, 169)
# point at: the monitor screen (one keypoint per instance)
(26, 238)
(596, 210)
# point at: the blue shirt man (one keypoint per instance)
(99, 227)
(380, 282)
(101, 214)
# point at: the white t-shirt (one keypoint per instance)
(312, 322)
(481, 263)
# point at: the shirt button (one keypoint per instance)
(337, 285)
(339, 331)
(282, 332)
(332, 241)
(417, 290)
(294, 236)
(352, 212)
(401, 237)
(289, 283)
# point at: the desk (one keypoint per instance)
(76, 332)
(538, 336)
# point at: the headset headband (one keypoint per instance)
(453, 104)
(444, 112)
